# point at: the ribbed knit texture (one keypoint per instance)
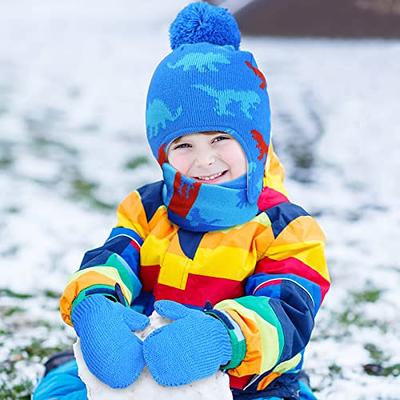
(111, 350)
(192, 347)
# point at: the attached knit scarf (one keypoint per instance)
(201, 207)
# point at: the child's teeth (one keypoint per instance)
(208, 178)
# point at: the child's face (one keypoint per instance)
(209, 157)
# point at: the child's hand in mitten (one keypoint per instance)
(194, 346)
(111, 350)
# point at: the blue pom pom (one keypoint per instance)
(202, 22)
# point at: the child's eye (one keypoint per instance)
(182, 146)
(219, 138)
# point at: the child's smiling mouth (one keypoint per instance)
(210, 178)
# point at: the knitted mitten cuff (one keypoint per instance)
(80, 310)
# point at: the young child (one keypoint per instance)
(216, 246)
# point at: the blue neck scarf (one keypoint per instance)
(201, 207)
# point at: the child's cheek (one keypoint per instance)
(180, 161)
(233, 154)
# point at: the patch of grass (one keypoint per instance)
(137, 162)
(6, 154)
(375, 353)
(13, 387)
(334, 370)
(392, 370)
(44, 323)
(85, 190)
(13, 210)
(42, 145)
(5, 292)
(51, 294)
(9, 311)
(380, 370)
(6, 161)
(351, 317)
(353, 312)
(20, 391)
(10, 251)
(101, 205)
(36, 351)
(303, 159)
(379, 365)
(369, 295)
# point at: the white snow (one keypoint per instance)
(73, 80)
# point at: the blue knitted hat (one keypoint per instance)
(207, 84)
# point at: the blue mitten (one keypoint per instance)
(111, 350)
(192, 347)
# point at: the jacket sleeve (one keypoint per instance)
(113, 268)
(276, 316)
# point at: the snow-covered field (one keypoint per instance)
(73, 79)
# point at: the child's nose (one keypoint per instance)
(205, 159)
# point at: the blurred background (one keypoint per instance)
(73, 83)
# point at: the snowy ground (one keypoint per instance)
(73, 78)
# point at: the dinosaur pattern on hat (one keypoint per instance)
(157, 116)
(203, 62)
(261, 145)
(263, 84)
(247, 99)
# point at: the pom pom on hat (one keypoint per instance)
(202, 22)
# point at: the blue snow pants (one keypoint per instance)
(63, 383)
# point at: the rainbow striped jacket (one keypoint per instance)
(265, 279)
